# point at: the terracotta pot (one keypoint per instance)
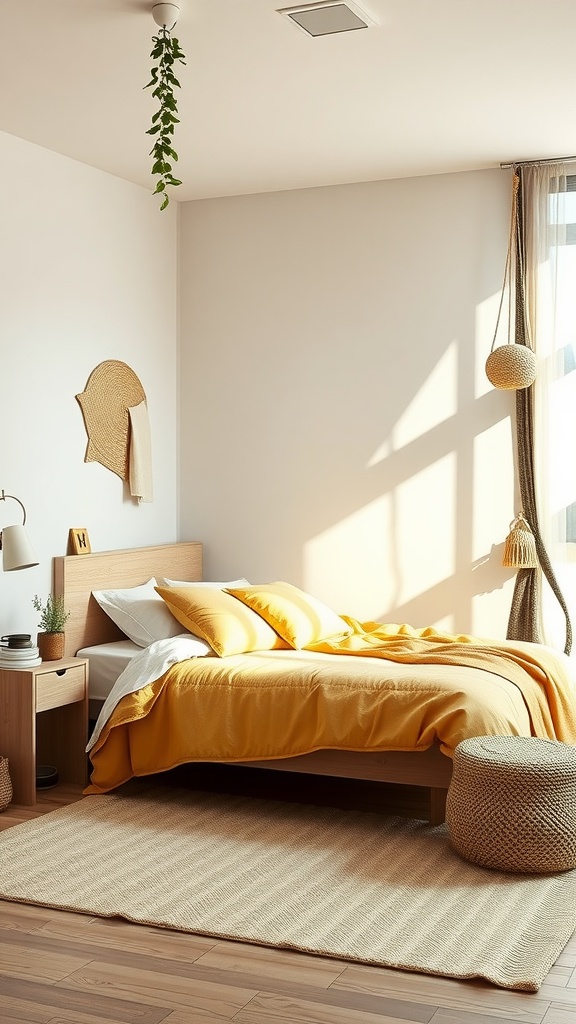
(51, 646)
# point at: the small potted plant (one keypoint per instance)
(53, 618)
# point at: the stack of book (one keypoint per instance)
(20, 657)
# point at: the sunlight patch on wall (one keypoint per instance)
(493, 469)
(443, 625)
(349, 565)
(486, 316)
(381, 453)
(391, 550)
(491, 620)
(425, 525)
(493, 508)
(435, 401)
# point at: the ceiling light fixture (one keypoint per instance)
(327, 18)
(166, 15)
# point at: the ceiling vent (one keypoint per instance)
(327, 18)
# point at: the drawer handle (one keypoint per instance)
(60, 671)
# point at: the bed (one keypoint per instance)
(77, 577)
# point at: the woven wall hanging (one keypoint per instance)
(511, 366)
(111, 390)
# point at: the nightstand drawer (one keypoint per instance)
(53, 689)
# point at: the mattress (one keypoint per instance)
(106, 662)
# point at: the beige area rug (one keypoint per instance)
(354, 885)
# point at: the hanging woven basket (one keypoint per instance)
(511, 367)
(520, 545)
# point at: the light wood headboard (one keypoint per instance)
(76, 576)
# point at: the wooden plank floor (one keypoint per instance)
(64, 968)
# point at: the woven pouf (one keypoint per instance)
(511, 803)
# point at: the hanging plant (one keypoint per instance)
(166, 53)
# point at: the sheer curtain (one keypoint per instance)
(548, 197)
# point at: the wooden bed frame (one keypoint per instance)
(76, 576)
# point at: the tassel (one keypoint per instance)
(520, 546)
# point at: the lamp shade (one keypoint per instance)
(17, 552)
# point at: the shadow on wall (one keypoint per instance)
(488, 575)
(421, 549)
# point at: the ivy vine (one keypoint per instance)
(166, 53)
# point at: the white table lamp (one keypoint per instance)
(17, 551)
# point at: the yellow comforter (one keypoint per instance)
(383, 688)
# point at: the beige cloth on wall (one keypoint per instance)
(140, 453)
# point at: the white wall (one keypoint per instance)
(337, 427)
(87, 273)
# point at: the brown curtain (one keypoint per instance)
(523, 623)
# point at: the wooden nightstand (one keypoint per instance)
(44, 720)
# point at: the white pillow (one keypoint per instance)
(193, 583)
(140, 613)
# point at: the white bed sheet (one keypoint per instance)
(107, 662)
(149, 664)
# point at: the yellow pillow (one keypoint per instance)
(298, 617)
(228, 626)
